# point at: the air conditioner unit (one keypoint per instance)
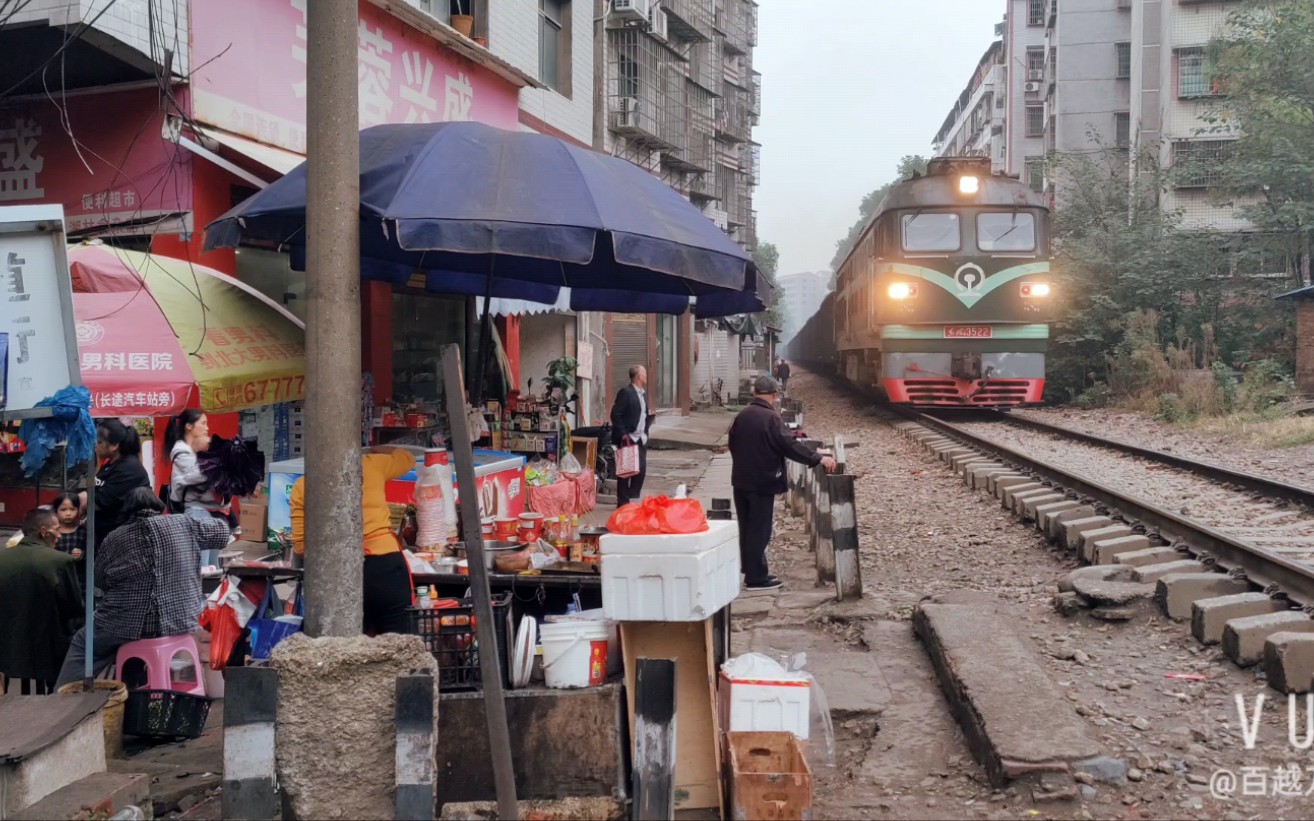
(659, 23)
(626, 115)
(632, 9)
(1033, 88)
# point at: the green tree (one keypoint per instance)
(908, 166)
(767, 258)
(1263, 65)
(1119, 253)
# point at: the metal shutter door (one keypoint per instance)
(629, 346)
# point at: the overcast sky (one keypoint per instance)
(849, 87)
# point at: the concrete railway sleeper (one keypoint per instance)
(1254, 601)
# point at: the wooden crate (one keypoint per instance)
(585, 449)
(769, 777)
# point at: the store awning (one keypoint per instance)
(275, 159)
(254, 162)
(521, 307)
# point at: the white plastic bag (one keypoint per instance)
(569, 465)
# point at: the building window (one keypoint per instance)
(1192, 75)
(1036, 173)
(1036, 12)
(1035, 121)
(554, 45)
(1122, 129)
(1124, 60)
(1035, 63)
(1198, 163)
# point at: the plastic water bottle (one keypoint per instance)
(681, 492)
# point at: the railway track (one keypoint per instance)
(1249, 525)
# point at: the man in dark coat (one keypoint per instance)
(40, 602)
(759, 445)
(782, 374)
(631, 416)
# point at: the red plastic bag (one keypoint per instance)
(657, 515)
(681, 516)
(224, 632)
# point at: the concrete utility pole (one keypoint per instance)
(334, 533)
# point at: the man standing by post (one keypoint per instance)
(631, 416)
(759, 445)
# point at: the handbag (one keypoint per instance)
(627, 459)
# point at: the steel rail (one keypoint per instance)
(1259, 484)
(1266, 569)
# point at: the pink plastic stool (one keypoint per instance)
(157, 656)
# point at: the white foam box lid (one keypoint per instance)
(671, 586)
(717, 533)
(757, 705)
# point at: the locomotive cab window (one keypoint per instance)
(1013, 233)
(931, 232)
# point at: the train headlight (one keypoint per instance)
(1035, 289)
(969, 185)
(902, 290)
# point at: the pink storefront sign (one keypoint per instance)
(121, 170)
(251, 73)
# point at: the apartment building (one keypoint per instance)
(1087, 79)
(1171, 90)
(975, 127)
(1024, 75)
(679, 97)
(800, 297)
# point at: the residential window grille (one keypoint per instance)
(1035, 120)
(1198, 163)
(1192, 73)
(1036, 173)
(1036, 12)
(1124, 60)
(1035, 62)
(1122, 129)
(931, 232)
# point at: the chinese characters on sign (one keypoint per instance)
(133, 401)
(35, 290)
(19, 161)
(127, 362)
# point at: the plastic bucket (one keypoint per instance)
(112, 715)
(574, 654)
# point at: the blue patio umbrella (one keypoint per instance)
(470, 209)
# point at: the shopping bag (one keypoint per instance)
(627, 459)
(266, 633)
(680, 515)
(221, 621)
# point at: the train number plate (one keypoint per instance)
(967, 332)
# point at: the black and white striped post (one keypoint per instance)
(809, 482)
(250, 770)
(821, 530)
(844, 537)
(414, 798)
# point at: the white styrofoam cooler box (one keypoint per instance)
(670, 577)
(749, 705)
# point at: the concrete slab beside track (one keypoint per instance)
(1036, 738)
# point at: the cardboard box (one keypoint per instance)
(253, 513)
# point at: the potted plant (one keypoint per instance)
(561, 377)
(461, 21)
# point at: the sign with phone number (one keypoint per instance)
(256, 392)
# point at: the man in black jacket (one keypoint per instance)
(782, 374)
(759, 444)
(631, 416)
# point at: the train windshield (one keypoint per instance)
(1006, 233)
(931, 232)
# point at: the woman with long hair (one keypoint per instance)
(119, 450)
(72, 529)
(190, 492)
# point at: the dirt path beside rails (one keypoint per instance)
(900, 754)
